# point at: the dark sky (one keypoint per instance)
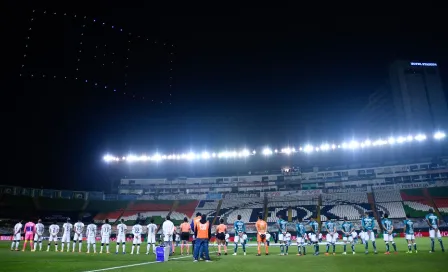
(241, 76)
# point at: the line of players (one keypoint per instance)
(350, 236)
(313, 237)
(34, 234)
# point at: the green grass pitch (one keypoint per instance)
(63, 261)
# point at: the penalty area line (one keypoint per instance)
(138, 264)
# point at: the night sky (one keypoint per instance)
(173, 78)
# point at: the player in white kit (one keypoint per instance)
(17, 236)
(106, 229)
(151, 230)
(91, 236)
(78, 228)
(121, 236)
(67, 231)
(39, 235)
(137, 230)
(54, 230)
(287, 239)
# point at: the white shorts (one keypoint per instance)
(281, 237)
(331, 238)
(65, 238)
(347, 238)
(137, 240)
(388, 237)
(152, 239)
(105, 239)
(410, 237)
(121, 238)
(91, 240)
(300, 240)
(17, 237)
(238, 239)
(313, 237)
(354, 234)
(38, 238)
(369, 236)
(53, 238)
(434, 234)
(167, 238)
(77, 237)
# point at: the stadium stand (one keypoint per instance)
(157, 209)
(248, 208)
(106, 209)
(440, 198)
(206, 207)
(303, 207)
(341, 211)
(412, 195)
(344, 198)
(350, 205)
(394, 209)
(186, 207)
(416, 209)
(415, 203)
(387, 196)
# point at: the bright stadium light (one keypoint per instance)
(287, 150)
(391, 140)
(439, 135)
(379, 142)
(267, 151)
(156, 157)
(420, 137)
(353, 145)
(205, 155)
(144, 158)
(325, 147)
(244, 153)
(108, 158)
(131, 158)
(308, 149)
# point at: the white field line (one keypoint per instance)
(138, 264)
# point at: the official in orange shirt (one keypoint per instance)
(221, 231)
(262, 229)
(203, 233)
(185, 229)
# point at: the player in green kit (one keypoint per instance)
(409, 233)
(433, 222)
(240, 230)
(282, 229)
(331, 237)
(347, 231)
(301, 234)
(314, 235)
(388, 228)
(368, 224)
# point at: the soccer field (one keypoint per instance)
(58, 261)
